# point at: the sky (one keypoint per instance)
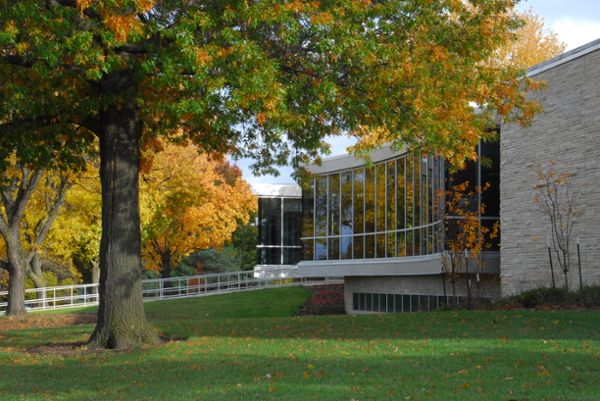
(576, 22)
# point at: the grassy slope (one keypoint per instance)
(237, 352)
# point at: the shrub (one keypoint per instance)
(545, 297)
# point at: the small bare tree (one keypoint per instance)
(557, 197)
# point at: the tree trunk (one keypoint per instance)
(16, 291)
(95, 275)
(121, 319)
(36, 274)
(165, 272)
(95, 271)
(165, 266)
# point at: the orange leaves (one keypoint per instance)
(121, 25)
(121, 18)
(190, 202)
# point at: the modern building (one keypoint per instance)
(377, 225)
(566, 133)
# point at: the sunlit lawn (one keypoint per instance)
(220, 355)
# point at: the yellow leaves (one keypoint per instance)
(83, 4)
(542, 371)
(189, 202)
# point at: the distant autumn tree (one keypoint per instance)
(267, 80)
(77, 230)
(190, 203)
(534, 43)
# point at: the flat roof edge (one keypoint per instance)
(564, 58)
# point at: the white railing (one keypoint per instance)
(72, 296)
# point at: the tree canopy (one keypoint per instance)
(266, 79)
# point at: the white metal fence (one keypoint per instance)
(71, 296)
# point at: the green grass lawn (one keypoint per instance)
(248, 346)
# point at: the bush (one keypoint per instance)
(588, 297)
(546, 297)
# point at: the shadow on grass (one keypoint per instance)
(414, 326)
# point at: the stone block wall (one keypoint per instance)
(567, 133)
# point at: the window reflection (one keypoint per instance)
(334, 204)
(370, 200)
(359, 201)
(321, 207)
(387, 210)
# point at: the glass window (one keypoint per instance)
(291, 256)
(370, 246)
(490, 152)
(321, 249)
(269, 211)
(334, 204)
(381, 243)
(292, 219)
(308, 249)
(425, 189)
(346, 249)
(410, 191)
(381, 197)
(334, 249)
(417, 242)
(321, 207)
(406, 303)
(391, 245)
(346, 212)
(418, 188)
(401, 244)
(359, 201)
(370, 200)
(409, 243)
(269, 256)
(308, 210)
(401, 193)
(391, 196)
(359, 247)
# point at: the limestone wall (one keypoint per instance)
(567, 133)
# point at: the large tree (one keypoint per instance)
(266, 79)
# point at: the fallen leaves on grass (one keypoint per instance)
(43, 321)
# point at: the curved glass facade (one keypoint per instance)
(377, 212)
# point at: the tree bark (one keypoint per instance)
(121, 319)
(16, 291)
(36, 274)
